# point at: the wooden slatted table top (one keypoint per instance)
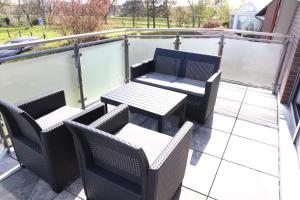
(148, 98)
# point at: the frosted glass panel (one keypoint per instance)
(103, 69)
(143, 49)
(297, 144)
(249, 62)
(28, 78)
(207, 46)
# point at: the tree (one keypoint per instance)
(167, 4)
(147, 2)
(209, 12)
(193, 10)
(112, 4)
(43, 8)
(3, 3)
(179, 14)
(200, 12)
(223, 12)
(133, 8)
(154, 5)
(4, 6)
(153, 2)
(79, 16)
(26, 8)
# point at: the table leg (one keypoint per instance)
(181, 115)
(160, 125)
(105, 106)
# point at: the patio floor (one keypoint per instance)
(233, 156)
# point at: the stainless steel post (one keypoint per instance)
(77, 55)
(177, 42)
(221, 45)
(126, 48)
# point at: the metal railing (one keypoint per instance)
(88, 69)
(125, 30)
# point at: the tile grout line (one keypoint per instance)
(253, 140)
(226, 145)
(195, 191)
(236, 101)
(253, 169)
(234, 163)
(251, 104)
(205, 153)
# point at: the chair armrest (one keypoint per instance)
(85, 117)
(119, 158)
(58, 149)
(90, 114)
(114, 120)
(211, 90)
(214, 77)
(166, 173)
(141, 68)
(43, 104)
(59, 145)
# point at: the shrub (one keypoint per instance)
(211, 24)
(225, 24)
(35, 22)
(5, 21)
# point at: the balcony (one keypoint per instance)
(234, 155)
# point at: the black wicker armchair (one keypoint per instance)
(41, 141)
(196, 75)
(120, 160)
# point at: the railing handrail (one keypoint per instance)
(101, 33)
(57, 39)
(57, 50)
(210, 29)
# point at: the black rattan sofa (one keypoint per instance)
(196, 75)
(41, 141)
(120, 160)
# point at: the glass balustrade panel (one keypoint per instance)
(103, 69)
(25, 79)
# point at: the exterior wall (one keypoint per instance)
(285, 16)
(268, 23)
(291, 63)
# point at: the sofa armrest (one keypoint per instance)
(114, 120)
(211, 90)
(166, 173)
(141, 68)
(43, 104)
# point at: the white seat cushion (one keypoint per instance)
(189, 86)
(183, 85)
(152, 142)
(157, 79)
(57, 116)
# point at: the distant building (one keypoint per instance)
(212, 2)
(244, 18)
(268, 16)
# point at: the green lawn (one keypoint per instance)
(140, 22)
(7, 33)
(37, 31)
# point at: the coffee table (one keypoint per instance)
(150, 101)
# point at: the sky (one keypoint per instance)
(259, 3)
